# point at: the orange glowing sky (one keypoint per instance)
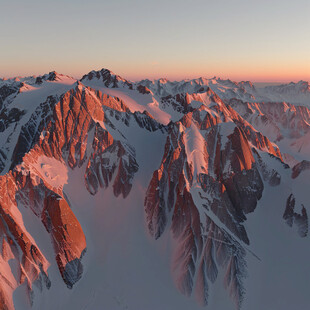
(262, 41)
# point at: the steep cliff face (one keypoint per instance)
(201, 155)
(67, 236)
(21, 189)
(21, 259)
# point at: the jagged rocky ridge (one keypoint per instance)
(223, 182)
(60, 130)
(212, 174)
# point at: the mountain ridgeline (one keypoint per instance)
(104, 179)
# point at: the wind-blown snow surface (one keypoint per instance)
(153, 195)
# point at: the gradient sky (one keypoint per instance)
(261, 40)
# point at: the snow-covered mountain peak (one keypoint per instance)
(108, 78)
(91, 169)
(163, 80)
(52, 76)
(295, 93)
(55, 77)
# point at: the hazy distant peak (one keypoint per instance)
(294, 92)
(163, 80)
(52, 76)
(247, 83)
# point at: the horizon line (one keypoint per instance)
(137, 79)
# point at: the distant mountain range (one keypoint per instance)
(154, 194)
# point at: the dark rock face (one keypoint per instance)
(179, 102)
(244, 190)
(39, 80)
(8, 90)
(8, 117)
(73, 272)
(52, 76)
(143, 89)
(292, 218)
(299, 168)
(146, 120)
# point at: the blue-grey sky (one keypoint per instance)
(261, 40)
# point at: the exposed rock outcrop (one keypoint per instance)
(67, 235)
(292, 218)
(211, 175)
(299, 168)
